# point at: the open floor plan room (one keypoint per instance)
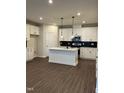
(44, 77)
(61, 46)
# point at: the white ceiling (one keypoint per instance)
(62, 8)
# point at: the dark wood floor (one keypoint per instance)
(44, 77)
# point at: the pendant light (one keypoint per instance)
(62, 28)
(72, 27)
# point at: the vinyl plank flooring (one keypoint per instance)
(44, 77)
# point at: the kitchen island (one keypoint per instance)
(67, 56)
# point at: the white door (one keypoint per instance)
(51, 39)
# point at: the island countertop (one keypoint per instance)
(63, 49)
(62, 55)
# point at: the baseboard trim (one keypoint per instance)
(88, 58)
(42, 56)
(29, 60)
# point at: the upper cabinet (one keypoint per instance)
(34, 30)
(66, 33)
(31, 30)
(86, 33)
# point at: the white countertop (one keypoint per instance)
(63, 49)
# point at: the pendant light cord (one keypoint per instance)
(61, 25)
(72, 25)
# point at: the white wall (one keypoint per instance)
(87, 34)
(48, 38)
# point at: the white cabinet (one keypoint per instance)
(86, 33)
(66, 33)
(64, 56)
(31, 30)
(31, 37)
(29, 54)
(88, 53)
(34, 30)
(31, 50)
(27, 32)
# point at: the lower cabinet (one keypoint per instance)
(29, 54)
(88, 53)
(27, 32)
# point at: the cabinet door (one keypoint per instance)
(37, 30)
(27, 54)
(88, 53)
(34, 30)
(27, 32)
(81, 52)
(92, 53)
(67, 33)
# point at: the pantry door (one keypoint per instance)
(51, 38)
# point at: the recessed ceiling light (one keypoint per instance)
(50, 1)
(41, 18)
(78, 14)
(83, 22)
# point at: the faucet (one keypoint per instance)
(67, 47)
